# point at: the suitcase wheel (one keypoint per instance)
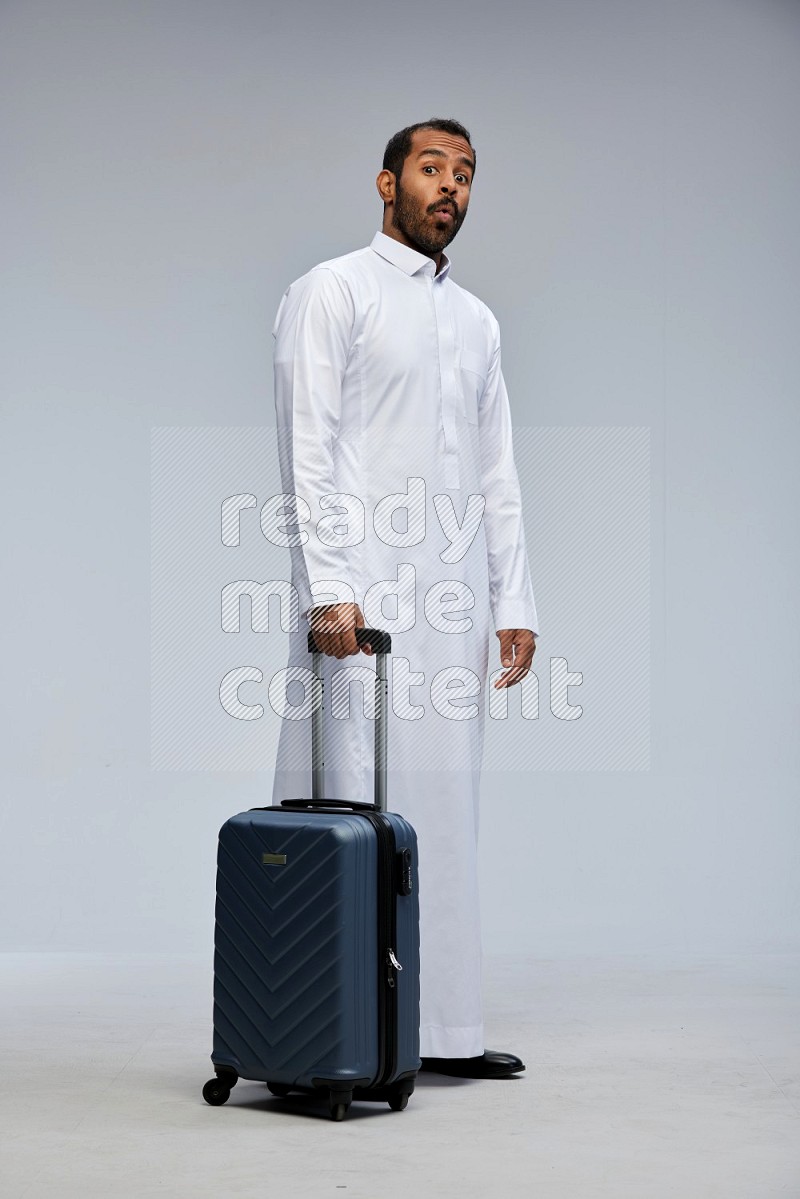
(216, 1092)
(339, 1104)
(278, 1088)
(398, 1103)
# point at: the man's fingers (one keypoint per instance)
(512, 676)
(517, 659)
(340, 650)
(510, 657)
(335, 634)
(328, 641)
(347, 640)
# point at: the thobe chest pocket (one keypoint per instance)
(472, 377)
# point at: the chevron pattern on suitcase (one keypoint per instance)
(295, 949)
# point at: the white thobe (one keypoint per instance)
(388, 383)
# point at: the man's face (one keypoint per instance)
(432, 193)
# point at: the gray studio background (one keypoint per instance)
(169, 169)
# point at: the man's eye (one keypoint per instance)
(429, 168)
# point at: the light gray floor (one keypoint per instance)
(646, 1078)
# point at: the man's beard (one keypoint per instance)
(420, 226)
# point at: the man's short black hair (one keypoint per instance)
(398, 147)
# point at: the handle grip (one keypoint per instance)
(379, 639)
(355, 804)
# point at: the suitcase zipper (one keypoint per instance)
(387, 937)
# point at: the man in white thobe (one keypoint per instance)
(404, 513)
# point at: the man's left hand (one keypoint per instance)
(517, 647)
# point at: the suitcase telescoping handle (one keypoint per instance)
(381, 643)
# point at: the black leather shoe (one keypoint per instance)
(488, 1065)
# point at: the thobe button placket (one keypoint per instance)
(445, 339)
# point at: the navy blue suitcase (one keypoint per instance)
(316, 943)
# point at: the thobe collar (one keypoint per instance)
(409, 260)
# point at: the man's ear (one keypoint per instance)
(385, 184)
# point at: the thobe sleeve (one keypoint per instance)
(510, 589)
(312, 332)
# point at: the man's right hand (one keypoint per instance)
(334, 625)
